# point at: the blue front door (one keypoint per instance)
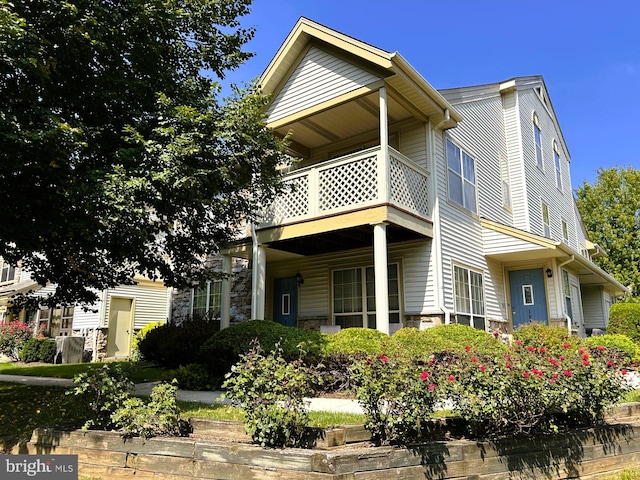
(285, 301)
(528, 297)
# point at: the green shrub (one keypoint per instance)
(397, 395)
(554, 339)
(159, 416)
(193, 377)
(531, 389)
(12, 337)
(224, 348)
(624, 319)
(628, 350)
(271, 392)
(38, 350)
(104, 390)
(453, 338)
(171, 345)
(351, 341)
(137, 338)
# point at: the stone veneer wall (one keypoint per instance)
(240, 292)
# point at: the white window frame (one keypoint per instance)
(537, 139)
(469, 296)
(461, 167)
(7, 272)
(212, 292)
(364, 296)
(506, 184)
(565, 231)
(556, 163)
(546, 220)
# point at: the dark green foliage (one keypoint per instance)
(160, 415)
(554, 339)
(171, 345)
(193, 377)
(224, 348)
(624, 319)
(271, 391)
(103, 389)
(111, 112)
(621, 346)
(38, 350)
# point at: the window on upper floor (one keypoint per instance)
(556, 163)
(8, 273)
(207, 299)
(545, 220)
(537, 136)
(565, 231)
(469, 297)
(461, 177)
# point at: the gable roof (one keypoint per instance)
(472, 93)
(396, 72)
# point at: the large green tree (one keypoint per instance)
(117, 155)
(610, 210)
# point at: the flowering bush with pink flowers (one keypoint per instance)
(397, 394)
(12, 337)
(534, 388)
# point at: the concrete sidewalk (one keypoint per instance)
(315, 404)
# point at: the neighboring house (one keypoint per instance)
(108, 325)
(413, 206)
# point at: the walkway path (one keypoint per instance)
(315, 404)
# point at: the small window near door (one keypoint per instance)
(527, 295)
(286, 304)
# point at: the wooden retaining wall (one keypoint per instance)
(585, 453)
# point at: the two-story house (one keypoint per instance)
(107, 326)
(412, 206)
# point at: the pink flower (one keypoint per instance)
(623, 372)
(601, 348)
(508, 365)
(586, 363)
(474, 360)
(567, 373)
(610, 363)
(552, 380)
(555, 376)
(561, 357)
(530, 348)
(542, 350)
(451, 378)
(581, 352)
(424, 376)
(566, 345)
(518, 342)
(467, 348)
(525, 374)
(432, 387)
(482, 368)
(495, 333)
(384, 358)
(585, 357)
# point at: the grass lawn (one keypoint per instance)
(139, 371)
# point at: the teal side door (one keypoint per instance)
(528, 297)
(285, 301)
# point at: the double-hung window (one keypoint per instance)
(8, 273)
(469, 297)
(546, 224)
(556, 162)
(207, 299)
(354, 296)
(461, 177)
(537, 136)
(565, 231)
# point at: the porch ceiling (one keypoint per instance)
(340, 240)
(347, 120)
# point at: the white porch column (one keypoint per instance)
(225, 292)
(258, 281)
(381, 276)
(383, 189)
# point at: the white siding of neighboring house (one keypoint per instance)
(542, 184)
(593, 307)
(319, 77)
(151, 303)
(413, 144)
(315, 295)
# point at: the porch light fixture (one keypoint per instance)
(299, 279)
(549, 272)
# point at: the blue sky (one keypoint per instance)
(587, 51)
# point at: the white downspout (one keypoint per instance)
(560, 286)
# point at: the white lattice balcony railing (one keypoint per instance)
(359, 180)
